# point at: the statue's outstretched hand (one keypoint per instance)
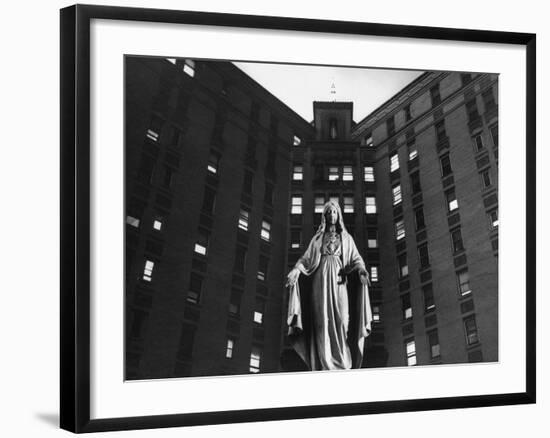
(292, 277)
(364, 276)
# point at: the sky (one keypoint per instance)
(299, 86)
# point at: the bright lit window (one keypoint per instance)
(406, 306)
(148, 270)
(372, 239)
(189, 67)
(400, 229)
(413, 151)
(243, 219)
(133, 221)
(229, 348)
(394, 162)
(493, 219)
(410, 349)
(152, 135)
(202, 243)
(255, 359)
(266, 231)
(463, 278)
(369, 174)
(452, 202)
(298, 173)
(213, 162)
(296, 207)
(333, 174)
(347, 173)
(157, 224)
(396, 194)
(296, 141)
(376, 313)
(370, 205)
(374, 274)
(348, 204)
(319, 204)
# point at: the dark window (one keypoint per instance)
(175, 135)
(471, 109)
(494, 134)
(213, 162)
(419, 218)
(463, 279)
(440, 131)
(406, 307)
(187, 339)
(415, 183)
(195, 286)
(456, 237)
(423, 256)
(208, 200)
(333, 129)
(145, 170)
(235, 303)
(390, 126)
(478, 142)
(240, 259)
(268, 195)
(429, 301)
(433, 341)
(466, 78)
(446, 169)
(168, 177)
(367, 140)
(247, 183)
(262, 268)
(488, 99)
(407, 111)
(255, 111)
(470, 327)
(435, 95)
(486, 178)
(295, 239)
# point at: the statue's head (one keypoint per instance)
(332, 215)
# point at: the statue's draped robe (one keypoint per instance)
(322, 339)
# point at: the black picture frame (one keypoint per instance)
(75, 216)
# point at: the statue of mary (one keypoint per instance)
(325, 340)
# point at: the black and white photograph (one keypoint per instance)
(291, 217)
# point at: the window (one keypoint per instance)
(470, 327)
(333, 129)
(247, 182)
(433, 342)
(259, 312)
(148, 270)
(368, 174)
(423, 256)
(485, 178)
(445, 162)
(348, 204)
(168, 176)
(243, 219)
(298, 173)
(463, 278)
(494, 134)
(429, 301)
(440, 132)
(333, 174)
(208, 200)
(268, 195)
(265, 233)
(262, 268)
(153, 132)
(319, 204)
(202, 243)
(296, 141)
(347, 174)
(370, 205)
(478, 142)
(456, 237)
(452, 202)
(255, 359)
(334, 198)
(471, 109)
(399, 229)
(394, 162)
(189, 67)
(295, 239)
(240, 259)
(146, 169)
(368, 140)
(488, 99)
(419, 218)
(465, 78)
(133, 221)
(407, 111)
(374, 274)
(410, 352)
(157, 223)
(235, 303)
(415, 183)
(296, 207)
(229, 348)
(493, 219)
(406, 307)
(396, 194)
(412, 149)
(213, 162)
(403, 267)
(390, 126)
(372, 238)
(376, 313)
(435, 95)
(195, 287)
